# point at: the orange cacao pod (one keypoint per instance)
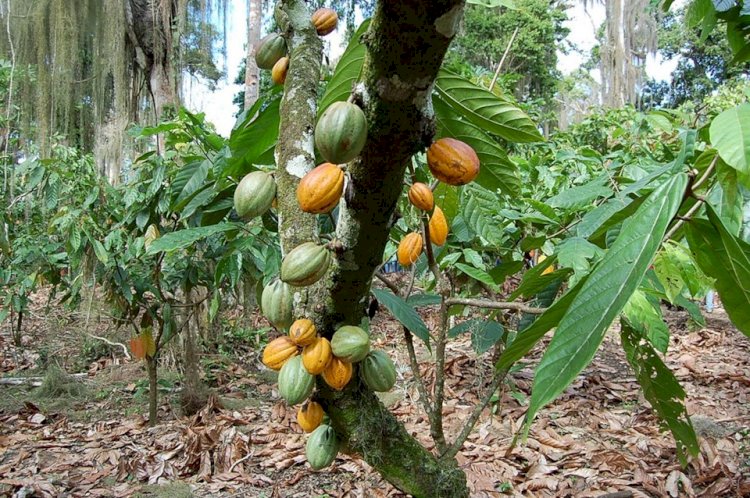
(409, 249)
(338, 373)
(302, 332)
(317, 356)
(452, 161)
(310, 416)
(278, 351)
(438, 227)
(320, 190)
(421, 196)
(279, 70)
(325, 21)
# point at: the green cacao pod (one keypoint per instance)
(350, 344)
(276, 302)
(341, 132)
(322, 447)
(378, 371)
(305, 264)
(295, 383)
(269, 50)
(254, 195)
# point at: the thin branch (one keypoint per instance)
(502, 59)
(414, 365)
(437, 432)
(497, 305)
(388, 283)
(111, 343)
(699, 200)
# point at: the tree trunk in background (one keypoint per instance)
(194, 394)
(252, 74)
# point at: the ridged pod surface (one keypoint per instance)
(305, 264)
(302, 332)
(254, 194)
(338, 373)
(277, 304)
(438, 227)
(322, 447)
(378, 371)
(269, 50)
(325, 21)
(421, 196)
(350, 343)
(320, 190)
(452, 161)
(295, 383)
(279, 70)
(341, 132)
(409, 249)
(317, 356)
(310, 416)
(278, 351)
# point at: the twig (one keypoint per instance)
(244, 458)
(111, 343)
(387, 282)
(681, 221)
(497, 305)
(502, 59)
(414, 365)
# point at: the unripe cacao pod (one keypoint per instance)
(302, 332)
(295, 383)
(325, 21)
(438, 227)
(269, 50)
(310, 416)
(254, 194)
(421, 196)
(452, 161)
(350, 344)
(305, 264)
(277, 304)
(338, 373)
(278, 351)
(317, 356)
(322, 447)
(320, 190)
(378, 371)
(341, 132)
(278, 73)
(409, 249)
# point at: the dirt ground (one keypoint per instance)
(87, 436)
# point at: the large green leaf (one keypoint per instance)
(604, 293)
(347, 71)
(645, 316)
(484, 333)
(253, 141)
(479, 208)
(661, 389)
(404, 313)
(496, 170)
(181, 239)
(730, 134)
(581, 196)
(447, 198)
(486, 110)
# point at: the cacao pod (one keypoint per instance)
(549, 269)
(254, 194)
(278, 351)
(277, 303)
(350, 343)
(438, 227)
(295, 383)
(341, 132)
(378, 371)
(421, 196)
(305, 264)
(310, 416)
(325, 21)
(338, 373)
(269, 50)
(278, 73)
(317, 356)
(322, 447)
(302, 332)
(409, 249)
(452, 161)
(320, 190)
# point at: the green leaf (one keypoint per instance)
(577, 253)
(404, 313)
(420, 300)
(254, 141)
(581, 196)
(534, 281)
(181, 239)
(193, 185)
(347, 71)
(485, 109)
(645, 317)
(479, 208)
(605, 292)
(476, 274)
(100, 251)
(730, 134)
(201, 199)
(447, 198)
(661, 389)
(484, 333)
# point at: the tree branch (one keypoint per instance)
(497, 305)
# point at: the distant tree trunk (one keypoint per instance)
(151, 363)
(253, 36)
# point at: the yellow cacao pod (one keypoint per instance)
(409, 249)
(279, 70)
(302, 332)
(320, 190)
(438, 227)
(310, 416)
(325, 21)
(452, 161)
(338, 373)
(278, 351)
(317, 356)
(421, 196)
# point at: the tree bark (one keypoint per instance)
(252, 73)
(153, 394)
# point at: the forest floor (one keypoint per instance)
(87, 435)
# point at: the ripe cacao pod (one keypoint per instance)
(325, 21)
(549, 269)
(452, 161)
(278, 351)
(317, 356)
(320, 190)
(421, 196)
(269, 50)
(302, 332)
(350, 344)
(310, 416)
(305, 264)
(338, 373)
(295, 383)
(254, 194)
(378, 371)
(409, 249)
(322, 447)
(438, 227)
(278, 73)
(341, 132)
(277, 303)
